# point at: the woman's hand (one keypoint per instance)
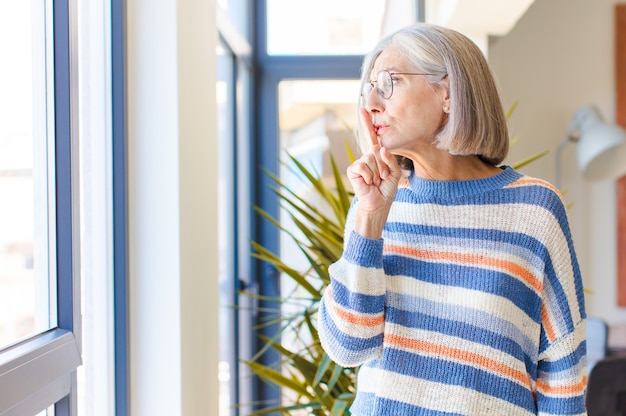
(374, 178)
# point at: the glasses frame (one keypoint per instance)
(368, 86)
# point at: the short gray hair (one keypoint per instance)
(477, 123)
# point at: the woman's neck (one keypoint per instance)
(446, 167)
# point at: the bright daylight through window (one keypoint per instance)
(347, 27)
(26, 172)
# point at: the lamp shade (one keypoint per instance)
(601, 145)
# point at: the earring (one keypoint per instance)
(446, 108)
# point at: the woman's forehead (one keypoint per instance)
(390, 59)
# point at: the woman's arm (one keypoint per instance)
(562, 365)
(351, 316)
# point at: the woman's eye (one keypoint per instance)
(390, 82)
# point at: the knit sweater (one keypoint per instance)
(471, 303)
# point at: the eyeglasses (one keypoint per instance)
(385, 82)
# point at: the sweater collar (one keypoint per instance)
(458, 189)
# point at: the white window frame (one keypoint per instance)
(40, 371)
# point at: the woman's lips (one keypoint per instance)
(379, 128)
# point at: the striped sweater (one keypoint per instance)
(471, 304)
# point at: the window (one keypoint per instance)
(39, 355)
(234, 91)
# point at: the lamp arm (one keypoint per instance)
(571, 135)
(559, 150)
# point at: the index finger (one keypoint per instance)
(366, 121)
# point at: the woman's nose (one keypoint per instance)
(373, 102)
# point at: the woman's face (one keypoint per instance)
(406, 123)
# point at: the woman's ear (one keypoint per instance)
(445, 95)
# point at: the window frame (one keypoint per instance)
(120, 204)
(40, 371)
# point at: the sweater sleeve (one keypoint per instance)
(351, 314)
(562, 366)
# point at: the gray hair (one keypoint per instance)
(477, 122)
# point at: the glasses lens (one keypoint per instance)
(367, 89)
(385, 84)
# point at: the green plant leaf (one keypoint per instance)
(529, 159)
(268, 256)
(348, 149)
(286, 410)
(278, 378)
(335, 376)
(322, 367)
(511, 109)
(340, 408)
(342, 193)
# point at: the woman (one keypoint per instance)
(459, 290)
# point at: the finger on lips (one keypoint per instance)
(367, 122)
(375, 164)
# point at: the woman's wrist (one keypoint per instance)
(370, 224)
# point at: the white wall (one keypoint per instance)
(559, 57)
(172, 207)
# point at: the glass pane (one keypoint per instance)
(245, 321)
(48, 412)
(316, 120)
(26, 184)
(238, 12)
(323, 27)
(226, 132)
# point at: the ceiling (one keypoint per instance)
(477, 19)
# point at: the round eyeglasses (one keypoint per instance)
(384, 82)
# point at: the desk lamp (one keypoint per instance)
(601, 150)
